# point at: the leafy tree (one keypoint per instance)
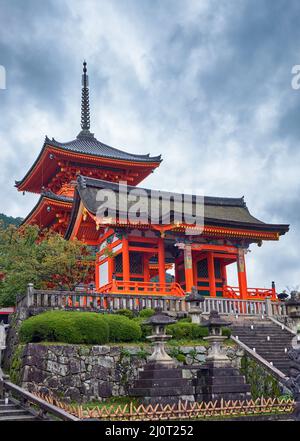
(9, 220)
(47, 262)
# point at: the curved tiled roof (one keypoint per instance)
(220, 211)
(57, 197)
(88, 144)
(50, 195)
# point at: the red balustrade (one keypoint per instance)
(233, 292)
(133, 287)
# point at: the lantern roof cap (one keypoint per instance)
(214, 320)
(160, 318)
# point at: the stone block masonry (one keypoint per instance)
(78, 373)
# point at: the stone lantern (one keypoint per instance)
(217, 379)
(216, 354)
(293, 310)
(159, 321)
(195, 300)
(160, 380)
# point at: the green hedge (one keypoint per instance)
(126, 312)
(122, 329)
(146, 313)
(79, 328)
(145, 329)
(227, 332)
(186, 330)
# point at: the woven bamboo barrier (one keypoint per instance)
(179, 411)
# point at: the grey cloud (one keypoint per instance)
(207, 84)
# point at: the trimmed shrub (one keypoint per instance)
(146, 313)
(185, 320)
(126, 313)
(67, 327)
(227, 332)
(184, 330)
(122, 329)
(145, 329)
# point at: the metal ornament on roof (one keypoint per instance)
(85, 102)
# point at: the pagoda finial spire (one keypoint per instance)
(85, 102)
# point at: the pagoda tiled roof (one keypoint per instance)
(89, 145)
(218, 211)
(47, 194)
(86, 144)
(56, 197)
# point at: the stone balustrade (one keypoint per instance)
(93, 301)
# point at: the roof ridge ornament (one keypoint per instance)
(85, 104)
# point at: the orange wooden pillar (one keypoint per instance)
(110, 261)
(224, 272)
(125, 261)
(188, 268)
(223, 275)
(211, 274)
(146, 268)
(161, 261)
(242, 277)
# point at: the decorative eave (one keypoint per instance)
(41, 211)
(46, 166)
(254, 230)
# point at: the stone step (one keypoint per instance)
(263, 335)
(219, 380)
(160, 373)
(7, 406)
(13, 412)
(216, 388)
(161, 382)
(163, 391)
(25, 417)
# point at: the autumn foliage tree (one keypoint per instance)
(50, 262)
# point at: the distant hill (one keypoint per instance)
(9, 220)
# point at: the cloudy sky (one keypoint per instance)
(206, 83)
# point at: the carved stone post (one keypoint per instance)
(30, 291)
(268, 303)
(293, 383)
(293, 310)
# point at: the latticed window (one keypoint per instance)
(202, 268)
(217, 265)
(118, 263)
(136, 263)
(181, 274)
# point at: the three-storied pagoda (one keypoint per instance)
(132, 257)
(53, 174)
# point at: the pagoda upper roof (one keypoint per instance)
(218, 211)
(89, 145)
(84, 149)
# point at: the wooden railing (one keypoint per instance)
(37, 406)
(233, 292)
(106, 301)
(149, 288)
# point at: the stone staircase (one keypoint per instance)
(270, 340)
(14, 412)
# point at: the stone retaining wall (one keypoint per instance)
(86, 373)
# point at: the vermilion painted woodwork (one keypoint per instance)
(125, 260)
(211, 274)
(161, 261)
